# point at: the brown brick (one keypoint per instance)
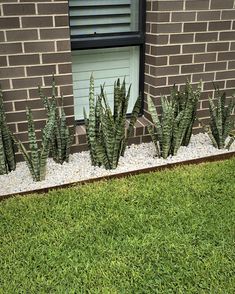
(148, 6)
(155, 61)
(167, 28)
(23, 126)
(13, 95)
(18, 9)
(214, 66)
(217, 47)
(63, 45)
(158, 17)
(67, 90)
(155, 81)
(2, 37)
(5, 84)
(9, 72)
(197, 5)
(225, 75)
(163, 5)
(60, 80)
(219, 25)
(194, 48)
(61, 21)
(34, 104)
(165, 50)
(157, 39)
(181, 59)
(228, 14)
(33, 93)
(41, 70)
(231, 65)
(55, 33)
(39, 46)
(226, 56)
(230, 84)
(218, 4)
(26, 83)
(183, 16)
(180, 79)
(192, 68)
(208, 15)
(181, 38)
(22, 35)
(195, 27)
(206, 37)
(207, 57)
(37, 21)
(203, 77)
(164, 71)
(8, 106)
(9, 22)
(16, 116)
(65, 68)
(3, 61)
(53, 8)
(224, 36)
(56, 58)
(25, 59)
(10, 48)
(232, 46)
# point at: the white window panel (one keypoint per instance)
(107, 65)
(90, 17)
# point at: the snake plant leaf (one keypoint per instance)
(221, 120)
(155, 119)
(61, 137)
(107, 129)
(36, 158)
(7, 151)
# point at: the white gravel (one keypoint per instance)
(80, 168)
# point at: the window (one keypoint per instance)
(107, 38)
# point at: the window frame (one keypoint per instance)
(122, 39)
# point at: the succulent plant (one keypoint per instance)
(106, 130)
(61, 138)
(174, 129)
(36, 157)
(221, 121)
(7, 152)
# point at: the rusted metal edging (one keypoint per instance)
(217, 157)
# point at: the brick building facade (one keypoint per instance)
(185, 39)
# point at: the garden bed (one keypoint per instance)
(137, 159)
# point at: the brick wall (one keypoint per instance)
(34, 43)
(185, 39)
(190, 39)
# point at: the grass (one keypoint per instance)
(166, 232)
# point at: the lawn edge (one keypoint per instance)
(207, 159)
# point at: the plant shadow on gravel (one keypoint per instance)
(166, 232)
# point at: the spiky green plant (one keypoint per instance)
(106, 131)
(61, 138)
(187, 100)
(36, 157)
(221, 121)
(174, 129)
(7, 152)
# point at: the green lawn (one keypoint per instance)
(166, 232)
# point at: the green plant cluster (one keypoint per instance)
(36, 157)
(221, 121)
(61, 139)
(7, 152)
(55, 138)
(106, 131)
(174, 128)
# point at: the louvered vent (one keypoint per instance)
(90, 17)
